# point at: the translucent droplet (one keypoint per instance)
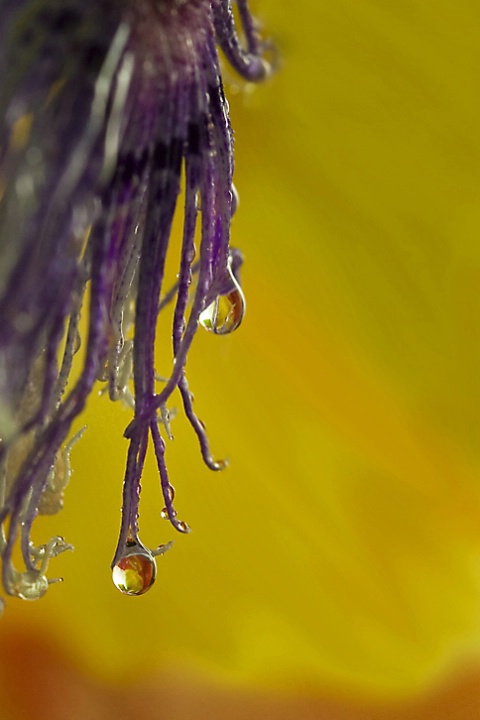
(31, 585)
(225, 313)
(235, 199)
(135, 572)
(78, 343)
(171, 493)
(183, 527)
(164, 513)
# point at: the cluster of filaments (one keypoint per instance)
(99, 207)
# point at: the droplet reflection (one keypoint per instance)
(135, 573)
(227, 311)
(225, 314)
(30, 585)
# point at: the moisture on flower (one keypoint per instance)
(105, 106)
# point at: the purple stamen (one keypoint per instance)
(103, 105)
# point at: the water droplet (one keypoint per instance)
(77, 343)
(164, 513)
(235, 200)
(221, 464)
(30, 585)
(171, 493)
(135, 572)
(183, 527)
(226, 312)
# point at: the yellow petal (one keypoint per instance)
(342, 545)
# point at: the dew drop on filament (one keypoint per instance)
(134, 573)
(226, 312)
(30, 585)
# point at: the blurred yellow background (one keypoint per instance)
(334, 568)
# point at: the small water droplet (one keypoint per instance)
(77, 344)
(221, 464)
(164, 513)
(235, 200)
(225, 313)
(171, 493)
(183, 527)
(162, 549)
(135, 572)
(30, 585)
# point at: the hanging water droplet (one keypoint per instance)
(235, 200)
(164, 513)
(77, 343)
(30, 585)
(135, 572)
(226, 312)
(183, 527)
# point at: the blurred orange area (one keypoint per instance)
(38, 679)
